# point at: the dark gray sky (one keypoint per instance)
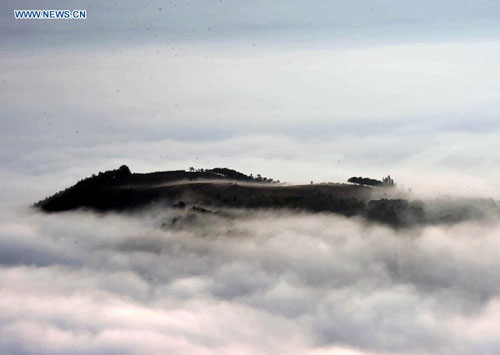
(153, 21)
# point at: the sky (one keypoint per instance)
(293, 90)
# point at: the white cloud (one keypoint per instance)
(261, 282)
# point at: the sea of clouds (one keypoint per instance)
(418, 103)
(246, 282)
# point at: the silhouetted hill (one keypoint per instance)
(122, 190)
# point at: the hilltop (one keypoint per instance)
(121, 190)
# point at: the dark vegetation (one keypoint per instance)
(234, 175)
(201, 190)
(386, 181)
(121, 190)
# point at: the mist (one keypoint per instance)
(246, 281)
(295, 112)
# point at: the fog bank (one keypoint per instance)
(256, 282)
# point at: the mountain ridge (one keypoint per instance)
(120, 190)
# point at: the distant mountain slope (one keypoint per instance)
(122, 190)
